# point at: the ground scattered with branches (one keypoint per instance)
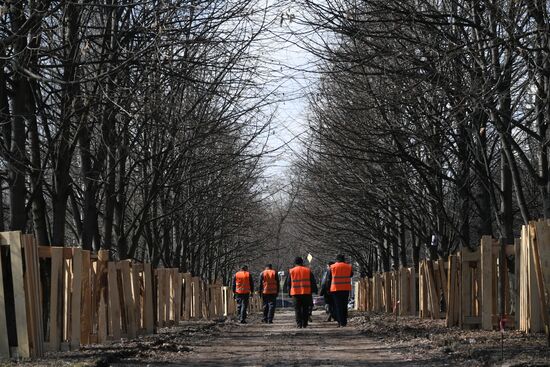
(370, 339)
(431, 340)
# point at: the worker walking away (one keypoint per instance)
(243, 287)
(301, 283)
(269, 288)
(340, 287)
(325, 292)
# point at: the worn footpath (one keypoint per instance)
(367, 341)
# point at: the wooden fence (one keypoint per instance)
(465, 289)
(91, 299)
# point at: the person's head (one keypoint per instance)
(330, 263)
(298, 261)
(268, 266)
(244, 268)
(340, 258)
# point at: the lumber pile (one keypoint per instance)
(91, 299)
(432, 288)
(393, 291)
(473, 286)
(464, 289)
(534, 277)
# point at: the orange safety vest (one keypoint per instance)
(300, 280)
(242, 280)
(341, 277)
(270, 282)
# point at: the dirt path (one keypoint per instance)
(369, 340)
(281, 344)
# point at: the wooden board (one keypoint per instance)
(451, 283)
(76, 298)
(188, 295)
(412, 286)
(196, 313)
(67, 284)
(102, 295)
(535, 317)
(33, 292)
(387, 292)
(542, 240)
(56, 298)
(136, 296)
(486, 283)
(14, 239)
(149, 322)
(86, 313)
(129, 304)
(114, 303)
(177, 280)
(4, 342)
(517, 272)
(423, 290)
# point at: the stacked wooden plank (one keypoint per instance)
(19, 294)
(388, 292)
(431, 289)
(479, 296)
(361, 294)
(228, 300)
(91, 299)
(453, 291)
(406, 299)
(378, 293)
(534, 277)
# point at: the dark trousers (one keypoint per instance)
(302, 303)
(268, 301)
(329, 302)
(242, 305)
(340, 299)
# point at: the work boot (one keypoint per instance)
(270, 322)
(243, 321)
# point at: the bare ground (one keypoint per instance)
(369, 340)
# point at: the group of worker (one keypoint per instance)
(300, 284)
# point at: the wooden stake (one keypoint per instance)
(86, 314)
(4, 342)
(114, 303)
(76, 298)
(541, 237)
(486, 283)
(129, 305)
(56, 300)
(149, 321)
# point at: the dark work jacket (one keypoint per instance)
(234, 283)
(261, 282)
(325, 283)
(314, 289)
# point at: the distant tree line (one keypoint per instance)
(429, 129)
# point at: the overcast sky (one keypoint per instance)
(290, 66)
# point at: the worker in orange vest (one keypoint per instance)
(269, 288)
(243, 287)
(340, 287)
(300, 283)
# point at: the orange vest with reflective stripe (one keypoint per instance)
(270, 282)
(341, 277)
(242, 282)
(300, 280)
